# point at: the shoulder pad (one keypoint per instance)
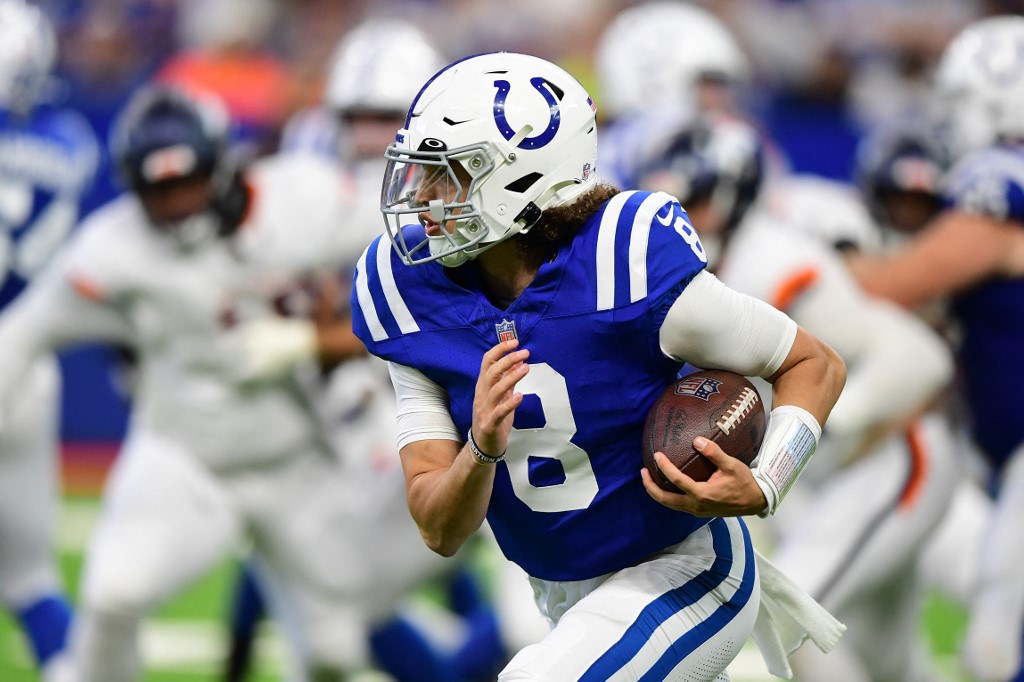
(645, 245)
(989, 182)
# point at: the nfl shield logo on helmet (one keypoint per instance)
(698, 387)
(506, 330)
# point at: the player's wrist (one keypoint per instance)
(478, 454)
(792, 438)
(771, 495)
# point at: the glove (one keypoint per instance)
(270, 347)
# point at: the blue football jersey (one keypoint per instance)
(568, 502)
(991, 182)
(47, 162)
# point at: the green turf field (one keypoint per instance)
(185, 640)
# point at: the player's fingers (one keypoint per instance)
(652, 488)
(710, 449)
(497, 352)
(676, 501)
(509, 379)
(673, 474)
(504, 365)
(508, 406)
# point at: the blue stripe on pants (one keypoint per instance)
(659, 611)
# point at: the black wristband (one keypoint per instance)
(480, 454)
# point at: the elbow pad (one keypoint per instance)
(792, 437)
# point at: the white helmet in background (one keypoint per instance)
(28, 50)
(828, 211)
(980, 83)
(509, 134)
(214, 24)
(656, 53)
(378, 68)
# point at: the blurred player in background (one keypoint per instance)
(499, 234)
(852, 533)
(900, 168)
(970, 254)
(376, 71)
(223, 53)
(657, 62)
(214, 453)
(48, 158)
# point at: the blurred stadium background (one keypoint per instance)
(825, 69)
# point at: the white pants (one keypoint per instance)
(991, 649)
(683, 614)
(167, 520)
(29, 487)
(853, 544)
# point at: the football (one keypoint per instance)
(722, 406)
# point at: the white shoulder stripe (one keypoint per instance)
(366, 300)
(606, 251)
(638, 244)
(394, 297)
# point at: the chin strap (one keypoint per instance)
(792, 437)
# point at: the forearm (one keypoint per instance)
(448, 504)
(905, 362)
(49, 316)
(447, 488)
(804, 390)
(336, 343)
(812, 377)
(956, 251)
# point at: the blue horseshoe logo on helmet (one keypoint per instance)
(536, 141)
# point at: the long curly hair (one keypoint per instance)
(559, 224)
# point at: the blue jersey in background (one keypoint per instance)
(991, 315)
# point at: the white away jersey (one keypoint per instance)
(179, 303)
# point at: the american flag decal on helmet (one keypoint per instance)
(593, 107)
(506, 330)
(698, 387)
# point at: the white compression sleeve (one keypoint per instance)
(422, 407)
(713, 326)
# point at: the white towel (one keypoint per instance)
(787, 618)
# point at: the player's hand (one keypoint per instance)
(268, 348)
(731, 491)
(495, 401)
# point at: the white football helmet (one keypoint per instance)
(655, 53)
(828, 211)
(489, 143)
(379, 66)
(28, 50)
(980, 83)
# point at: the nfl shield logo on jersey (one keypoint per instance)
(506, 331)
(698, 387)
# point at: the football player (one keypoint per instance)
(881, 481)
(900, 166)
(531, 316)
(970, 254)
(48, 158)
(656, 62)
(213, 453)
